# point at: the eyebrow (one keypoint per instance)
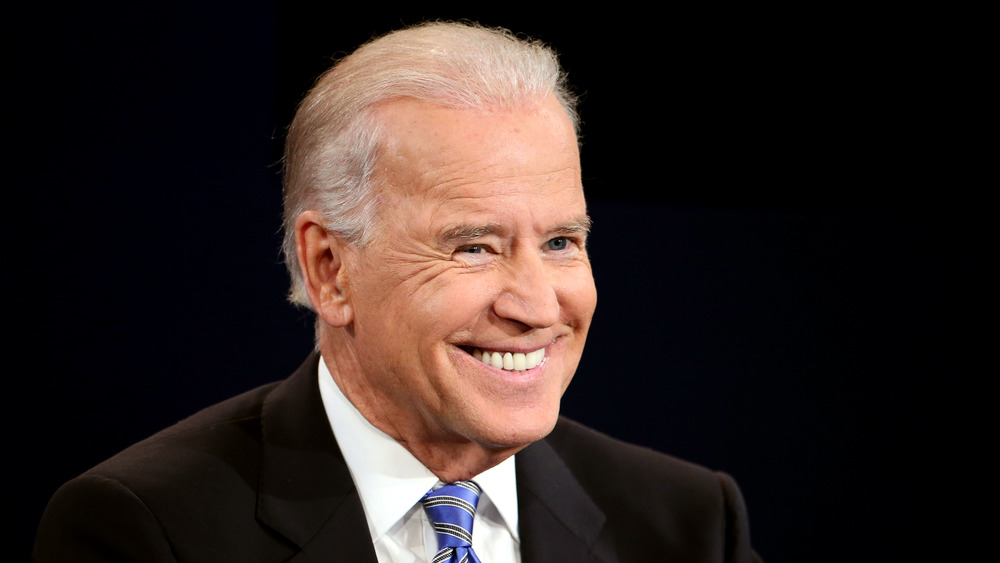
(579, 225)
(467, 232)
(471, 232)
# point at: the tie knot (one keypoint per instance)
(463, 495)
(452, 509)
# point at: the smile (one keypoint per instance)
(510, 361)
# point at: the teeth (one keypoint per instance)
(510, 361)
(518, 362)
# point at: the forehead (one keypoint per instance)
(431, 150)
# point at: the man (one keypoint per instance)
(436, 224)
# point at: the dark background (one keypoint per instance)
(788, 244)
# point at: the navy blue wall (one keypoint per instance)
(785, 260)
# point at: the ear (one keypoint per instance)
(321, 255)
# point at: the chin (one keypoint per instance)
(518, 430)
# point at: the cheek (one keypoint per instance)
(455, 302)
(578, 297)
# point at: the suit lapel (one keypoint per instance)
(557, 519)
(305, 491)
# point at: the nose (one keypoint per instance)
(530, 293)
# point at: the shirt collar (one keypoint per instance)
(389, 479)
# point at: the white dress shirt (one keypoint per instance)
(391, 483)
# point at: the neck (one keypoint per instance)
(455, 462)
(449, 456)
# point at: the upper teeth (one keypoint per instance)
(510, 361)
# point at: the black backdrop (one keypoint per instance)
(785, 245)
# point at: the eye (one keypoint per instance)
(558, 243)
(475, 253)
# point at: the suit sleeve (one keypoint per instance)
(94, 518)
(738, 548)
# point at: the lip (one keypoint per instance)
(513, 349)
(522, 347)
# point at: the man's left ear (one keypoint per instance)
(321, 255)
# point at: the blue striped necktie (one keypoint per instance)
(452, 509)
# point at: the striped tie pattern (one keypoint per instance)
(452, 509)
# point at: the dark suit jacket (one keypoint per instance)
(259, 477)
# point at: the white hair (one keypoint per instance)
(333, 141)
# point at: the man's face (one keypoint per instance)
(479, 246)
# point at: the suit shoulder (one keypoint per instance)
(662, 503)
(192, 491)
(246, 405)
(585, 449)
(626, 479)
(196, 452)
(162, 497)
(96, 514)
